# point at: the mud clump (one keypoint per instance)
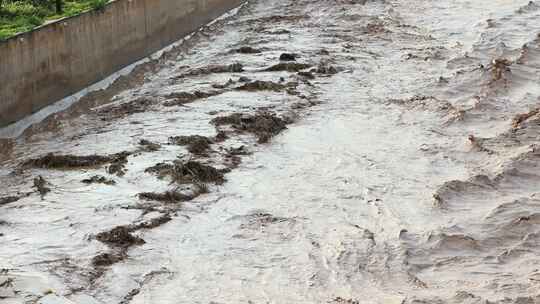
(108, 259)
(153, 223)
(189, 172)
(98, 179)
(149, 146)
(138, 105)
(221, 136)
(288, 57)
(118, 163)
(181, 98)
(119, 237)
(161, 169)
(264, 125)
(260, 85)
(246, 50)
(167, 196)
(53, 161)
(214, 69)
(288, 67)
(193, 171)
(196, 144)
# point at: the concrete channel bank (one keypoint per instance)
(54, 61)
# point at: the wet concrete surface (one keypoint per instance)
(296, 152)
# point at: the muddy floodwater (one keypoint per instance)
(296, 151)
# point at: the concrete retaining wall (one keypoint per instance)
(45, 65)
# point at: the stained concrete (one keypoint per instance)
(40, 67)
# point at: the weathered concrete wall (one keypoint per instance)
(45, 65)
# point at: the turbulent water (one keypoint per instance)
(392, 159)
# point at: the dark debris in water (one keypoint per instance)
(246, 50)
(264, 125)
(188, 172)
(152, 223)
(149, 146)
(172, 196)
(196, 144)
(118, 163)
(260, 85)
(138, 105)
(288, 57)
(98, 179)
(108, 259)
(8, 200)
(288, 67)
(194, 171)
(60, 161)
(119, 237)
(307, 75)
(181, 98)
(214, 69)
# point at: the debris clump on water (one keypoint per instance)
(171, 196)
(59, 161)
(8, 200)
(260, 85)
(181, 98)
(307, 75)
(264, 125)
(108, 259)
(246, 50)
(188, 172)
(99, 179)
(194, 171)
(138, 105)
(118, 164)
(288, 57)
(119, 237)
(149, 146)
(288, 67)
(196, 144)
(214, 69)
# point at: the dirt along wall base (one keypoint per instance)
(42, 66)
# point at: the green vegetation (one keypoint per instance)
(23, 15)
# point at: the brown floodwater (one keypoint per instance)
(333, 151)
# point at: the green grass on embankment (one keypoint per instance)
(18, 16)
